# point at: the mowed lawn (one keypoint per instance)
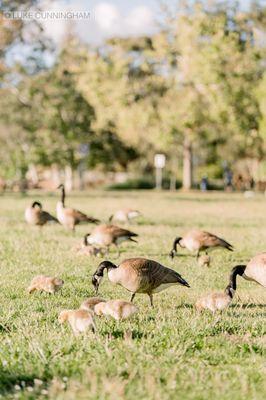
(168, 352)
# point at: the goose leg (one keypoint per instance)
(118, 250)
(132, 297)
(198, 254)
(151, 299)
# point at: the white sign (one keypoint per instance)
(159, 160)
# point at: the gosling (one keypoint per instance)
(79, 320)
(204, 260)
(90, 303)
(86, 249)
(44, 283)
(118, 309)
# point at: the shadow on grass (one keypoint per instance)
(247, 305)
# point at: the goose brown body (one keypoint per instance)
(70, 217)
(139, 275)
(254, 271)
(197, 240)
(106, 235)
(35, 215)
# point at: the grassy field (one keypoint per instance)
(168, 352)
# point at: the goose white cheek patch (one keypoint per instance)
(98, 279)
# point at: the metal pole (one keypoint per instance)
(159, 178)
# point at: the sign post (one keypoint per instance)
(159, 163)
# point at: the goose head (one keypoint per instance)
(36, 203)
(177, 241)
(98, 274)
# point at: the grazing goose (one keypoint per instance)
(255, 270)
(118, 309)
(197, 240)
(35, 215)
(138, 275)
(105, 235)
(79, 320)
(124, 215)
(69, 217)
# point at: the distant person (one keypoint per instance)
(228, 180)
(204, 184)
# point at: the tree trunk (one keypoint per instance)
(68, 178)
(55, 175)
(187, 164)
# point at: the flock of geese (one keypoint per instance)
(137, 275)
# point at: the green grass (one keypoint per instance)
(174, 353)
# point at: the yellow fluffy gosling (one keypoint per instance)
(204, 261)
(79, 320)
(90, 303)
(45, 284)
(118, 309)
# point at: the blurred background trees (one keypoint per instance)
(195, 91)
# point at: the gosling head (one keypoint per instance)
(98, 274)
(58, 283)
(63, 316)
(177, 241)
(99, 308)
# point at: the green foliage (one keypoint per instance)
(198, 85)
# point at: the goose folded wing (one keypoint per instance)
(79, 216)
(48, 217)
(210, 240)
(163, 275)
(119, 232)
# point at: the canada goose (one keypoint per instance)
(69, 217)
(90, 303)
(79, 320)
(45, 284)
(105, 235)
(255, 270)
(138, 275)
(35, 215)
(204, 260)
(118, 309)
(124, 215)
(197, 240)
